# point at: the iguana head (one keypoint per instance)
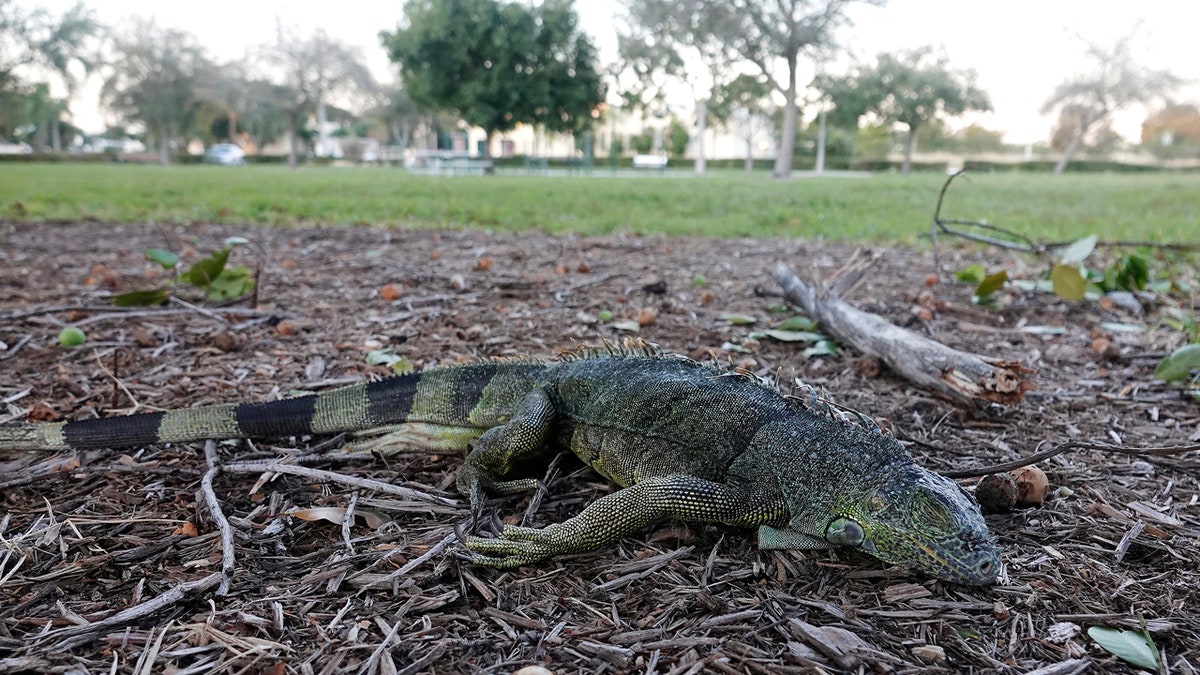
(908, 516)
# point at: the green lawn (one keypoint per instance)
(1159, 207)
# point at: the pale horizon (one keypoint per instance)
(1019, 52)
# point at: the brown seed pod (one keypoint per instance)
(1032, 486)
(997, 493)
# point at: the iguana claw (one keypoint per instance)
(514, 547)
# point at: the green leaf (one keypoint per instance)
(604, 315)
(972, 274)
(699, 280)
(231, 283)
(786, 335)
(739, 319)
(144, 298)
(822, 348)
(382, 357)
(1179, 363)
(204, 271)
(798, 322)
(1068, 282)
(163, 257)
(402, 366)
(1130, 646)
(1133, 273)
(1077, 252)
(991, 283)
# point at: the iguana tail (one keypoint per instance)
(475, 396)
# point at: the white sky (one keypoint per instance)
(1020, 49)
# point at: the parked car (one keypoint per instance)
(227, 154)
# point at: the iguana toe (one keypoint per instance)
(514, 547)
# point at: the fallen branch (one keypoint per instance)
(961, 376)
(1015, 241)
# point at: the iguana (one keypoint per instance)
(683, 440)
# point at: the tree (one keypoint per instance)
(399, 115)
(265, 115)
(1116, 83)
(742, 102)
(567, 82)
(1173, 131)
(308, 71)
(677, 32)
(32, 41)
(1099, 138)
(912, 88)
(38, 39)
(498, 64)
(772, 35)
(154, 81)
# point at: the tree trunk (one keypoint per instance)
(232, 127)
(819, 167)
(164, 145)
(293, 122)
(909, 147)
(1068, 151)
(55, 134)
(322, 149)
(749, 153)
(787, 141)
(701, 129)
(488, 132)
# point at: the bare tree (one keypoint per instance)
(1117, 82)
(684, 31)
(154, 81)
(772, 34)
(311, 70)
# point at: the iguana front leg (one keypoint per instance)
(495, 452)
(624, 512)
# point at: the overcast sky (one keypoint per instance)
(1020, 49)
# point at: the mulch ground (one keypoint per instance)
(111, 561)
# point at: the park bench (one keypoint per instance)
(649, 162)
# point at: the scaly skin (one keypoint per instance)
(682, 440)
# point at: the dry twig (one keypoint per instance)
(1067, 447)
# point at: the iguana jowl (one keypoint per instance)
(683, 440)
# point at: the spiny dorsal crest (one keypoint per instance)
(632, 347)
(807, 397)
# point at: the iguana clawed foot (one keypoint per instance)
(514, 547)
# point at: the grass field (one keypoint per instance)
(1158, 207)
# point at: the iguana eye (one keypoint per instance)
(845, 532)
(928, 509)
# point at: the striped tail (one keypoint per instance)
(475, 396)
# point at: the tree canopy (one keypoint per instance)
(154, 80)
(307, 70)
(770, 36)
(910, 88)
(497, 64)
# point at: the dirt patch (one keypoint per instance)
(1117, 543)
